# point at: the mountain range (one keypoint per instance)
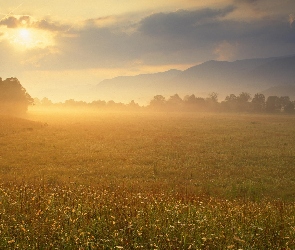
(270, 76)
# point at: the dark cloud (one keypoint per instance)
(29, 22)
(10, 22)
(181, 22)
(206, 28)
(16, 22)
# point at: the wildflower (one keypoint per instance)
(239, 240)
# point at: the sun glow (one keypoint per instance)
(25, 37)
(31, 38)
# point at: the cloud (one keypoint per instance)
(13, 22)
(10, 22)
(181, 22)
(50, 26)
(182, 37)
(104, 21)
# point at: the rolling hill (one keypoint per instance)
(249, 75)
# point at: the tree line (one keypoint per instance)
(232, 103)
(14, 99)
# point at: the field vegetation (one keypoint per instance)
(102, 180)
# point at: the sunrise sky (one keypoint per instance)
(55, 47)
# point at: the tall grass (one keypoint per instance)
(81, 217)
(147, 181)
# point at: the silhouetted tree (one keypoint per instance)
(212, 101)
(73, 103)
(230, 103)
(46, 102)
(286, 104)
(243, 101)
(244, 97)
(273, 104)
(231, 98)
(237, 103)
(133, 105)
(193, 103)
(174, 102)
(158, 102)
(258, 102)
(14, 98)
(213, 97)
(289, 108)
(98, 104)
(189, 99)
(37, 102)
(200, 101)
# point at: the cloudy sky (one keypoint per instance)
(55, 46)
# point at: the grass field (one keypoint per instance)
(147, 181)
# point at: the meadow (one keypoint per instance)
(110, 180)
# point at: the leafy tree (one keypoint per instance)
(14, 98)
(284, 100)
(231, 98)
(200, 101)
(73, 103)
(230, 102)
(286, 104)
(244, 97)
(193, 103)
(37, 101)
(175, 99)
(289, 108)
(213, 97)
(46, 102)
(273, 104)
(258, 102)
(174, 102)
(243, 101)
(212, 102)
(158, 102)
(133, 105)
(98, 104)
(190, 99)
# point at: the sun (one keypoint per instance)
(25, 37)
(29, 38)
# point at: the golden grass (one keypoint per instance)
(147, 180)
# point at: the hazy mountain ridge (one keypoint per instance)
(145, 79)
(223, 77)
(285, 90)
(140, 87)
